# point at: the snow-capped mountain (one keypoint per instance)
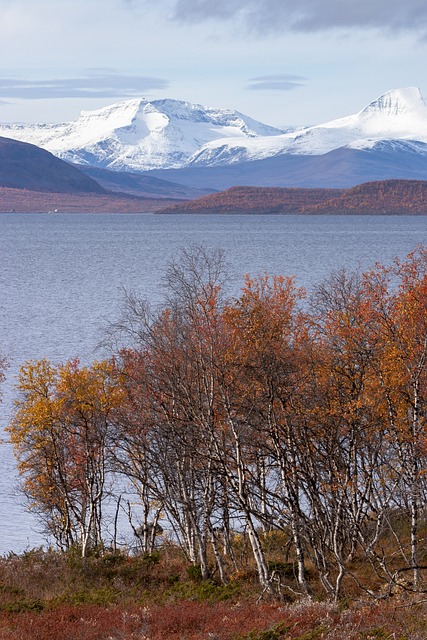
(398, 115)
(138, 135)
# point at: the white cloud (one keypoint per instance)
(96, 84)
(278, 82)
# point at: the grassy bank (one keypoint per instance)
(57, 596)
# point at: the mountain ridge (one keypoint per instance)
(205, 148)
(140, 135)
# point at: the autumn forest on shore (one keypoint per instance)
(275, 448)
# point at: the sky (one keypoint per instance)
(284, 62)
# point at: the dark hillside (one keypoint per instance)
(25, 166)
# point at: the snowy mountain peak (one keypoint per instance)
(158, 114)
(119, 109)
(400, 114)
(138, 135)
(397, 102)
(91, 124)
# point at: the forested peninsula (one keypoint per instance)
(384, 197)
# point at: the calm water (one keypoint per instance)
(61, 278)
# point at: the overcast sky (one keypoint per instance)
(285, 62)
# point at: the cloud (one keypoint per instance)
(279, 82)
(309, 15)
(98, 83)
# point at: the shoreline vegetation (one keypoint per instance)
(274, 447)
(385, 197)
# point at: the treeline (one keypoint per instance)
(404, 197)
(262, 415)
(386, 197)
(256, 200)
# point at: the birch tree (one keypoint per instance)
(60, 434)
(399, 301)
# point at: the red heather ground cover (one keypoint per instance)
(220, 621)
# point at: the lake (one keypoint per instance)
(62, 278)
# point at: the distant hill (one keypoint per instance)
(339, 169)
(141, 185)
(34, 180)
(407, 197)
(25, 166)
